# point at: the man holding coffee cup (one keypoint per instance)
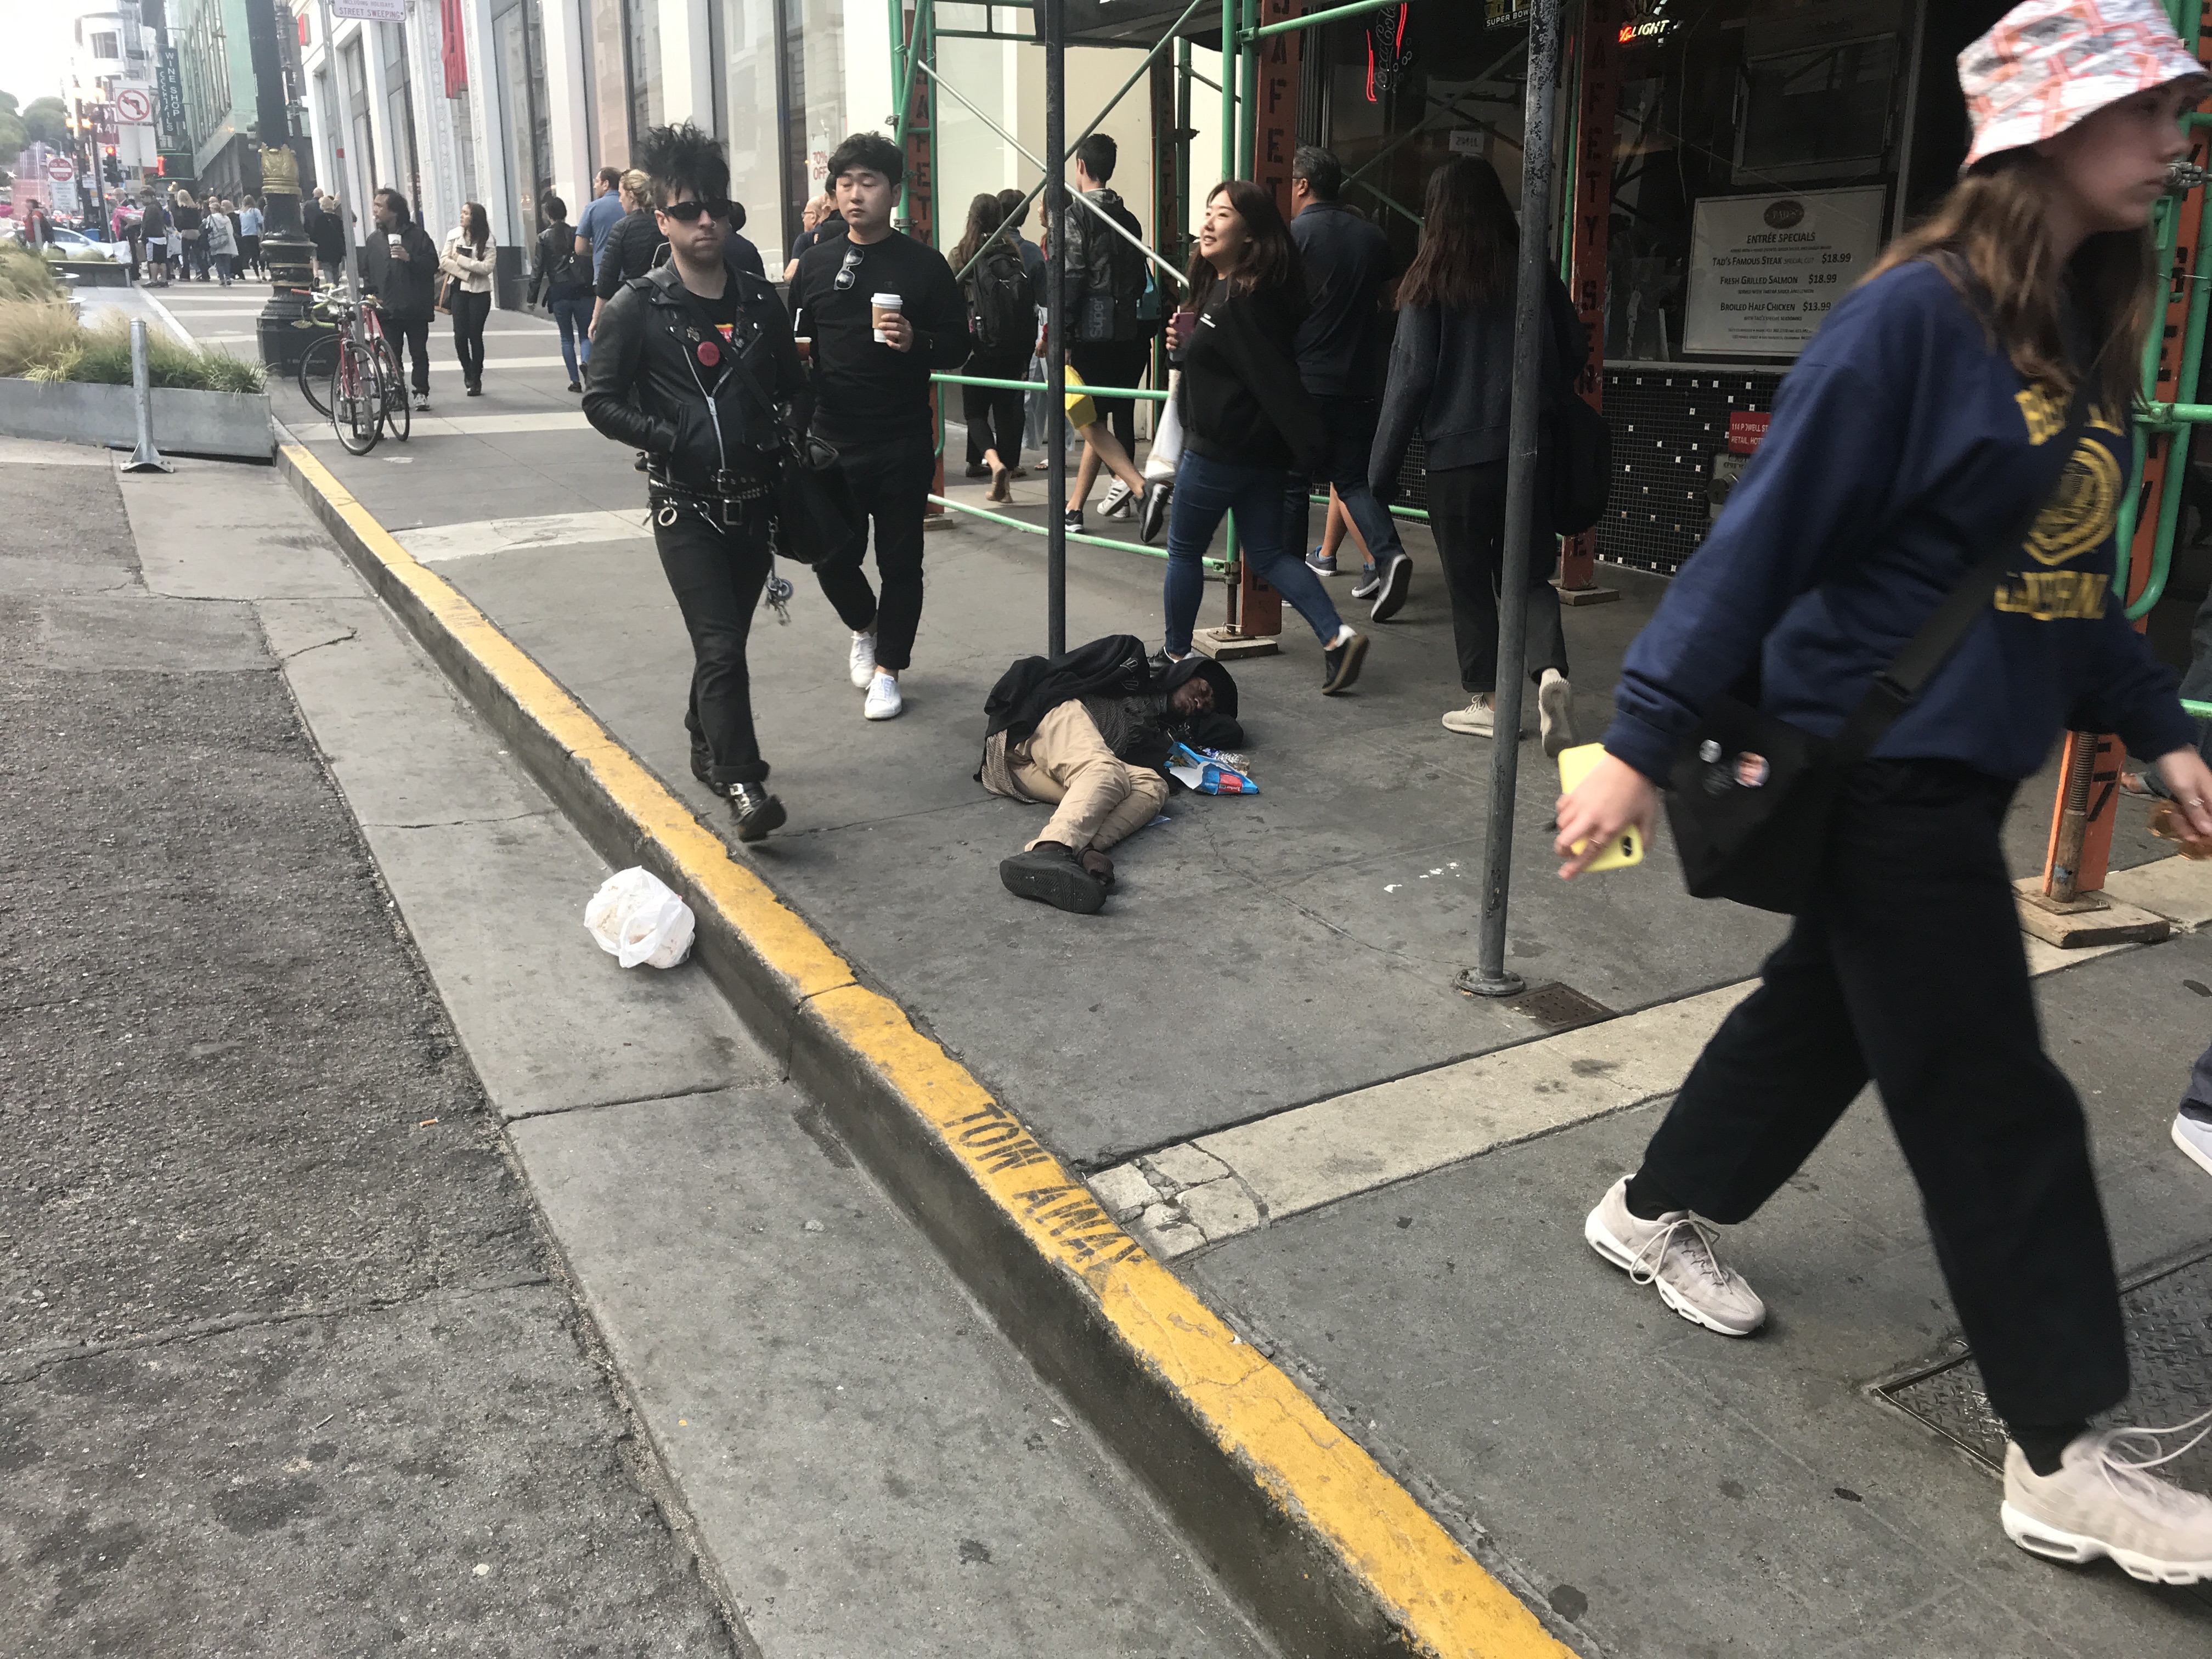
(401, 273)
(883, 313)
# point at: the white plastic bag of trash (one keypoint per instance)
(636, 918)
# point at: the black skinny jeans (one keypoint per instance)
(890, 481)
(1467, 514)
(469, 311)
(1909, 971)
(717, 577)
(994, 419)
(408, 335)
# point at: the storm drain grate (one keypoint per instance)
(2169, 1326)
(1559, 1007)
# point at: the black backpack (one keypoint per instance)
(1002, 315)
(1581, 465)
(558, 269)
(1125, 272)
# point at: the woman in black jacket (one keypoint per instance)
(564, 282)
(1247, 420)
(1002, 324)
(1451, 373)
(633, 246)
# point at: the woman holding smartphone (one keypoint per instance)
(468, 262)
(1247, 419)
(1906, 445)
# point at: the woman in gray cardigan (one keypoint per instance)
(1451, 374)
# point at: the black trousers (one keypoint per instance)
(717, 576)
(994, 419)
(1467, 514)
(891, 481)
(469, 311)
(1909, 971)
(409, 335)
(1115, 362)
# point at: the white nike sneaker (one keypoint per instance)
(884, 701)
(1675, 1252)
(2194, 1137)
(2103, 1501)
(864, 660)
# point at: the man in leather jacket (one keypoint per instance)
(686, 362)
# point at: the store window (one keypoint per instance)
(752, 126)
(519, 69)
(400, 110)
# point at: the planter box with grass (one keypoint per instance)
(231, 426)
(93, 273)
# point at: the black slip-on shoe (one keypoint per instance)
(1396, 582)
(1051, 874)
(1340, 664)
(755, 810)
(1153, 516)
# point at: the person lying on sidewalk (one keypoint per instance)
(1090, 731)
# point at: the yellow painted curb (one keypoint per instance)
(1440, 1598)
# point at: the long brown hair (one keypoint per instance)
(985, 215)
(1271, 257)
(476, 226)
(1991, 236)
(1469, 237)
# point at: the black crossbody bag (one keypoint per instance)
(815, 511)
(1752, 800)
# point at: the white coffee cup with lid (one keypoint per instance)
(881, 308)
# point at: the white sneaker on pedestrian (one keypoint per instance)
(884, 701)
(2104, 1502)
(1675, 1252)
(1477, 720)
(864, 661)
(1119, 504)
(2194, 1138)
(1555, 709)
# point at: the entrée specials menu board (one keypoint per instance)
(1765, 270)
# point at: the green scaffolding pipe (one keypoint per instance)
(1248, 96)
(1228, 88)
(1360, 9)
(1038, 386)
(1011, 523)
(2202, 710)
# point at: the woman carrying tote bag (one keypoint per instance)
(1907, 447)
(468, 262)
(1247, 419)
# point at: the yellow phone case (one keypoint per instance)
(1627, 847)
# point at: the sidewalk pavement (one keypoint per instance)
(1257, 1055)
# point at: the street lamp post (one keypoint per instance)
(287, 323)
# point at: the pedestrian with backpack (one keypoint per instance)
(1105, 277)
(564, 280)
(1916, 570)
(1002, 328)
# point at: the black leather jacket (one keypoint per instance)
(646, 385)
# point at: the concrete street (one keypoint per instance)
(1256, 1056)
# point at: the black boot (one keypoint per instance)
(1052, 874)
(755, 810)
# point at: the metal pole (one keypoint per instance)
(1488, 977)
(1055, 323)
(145, 458)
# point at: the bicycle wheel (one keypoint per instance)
(315, 365)
(398, 420)
(356, 399)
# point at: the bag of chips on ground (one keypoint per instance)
(1209, 772)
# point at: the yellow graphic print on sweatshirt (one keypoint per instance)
(2079, 518)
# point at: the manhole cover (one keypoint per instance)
(2169, 1326)
(1559, 1007)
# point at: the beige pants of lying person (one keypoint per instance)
(1102, 799)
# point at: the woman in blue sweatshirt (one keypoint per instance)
(1903, 445)
(1247, 420)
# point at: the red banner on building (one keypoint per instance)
(452, 48)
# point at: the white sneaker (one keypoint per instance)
(1555, 710)
(1675, 1252)
(2103, 1503)
(864, 660)
(884, 701)
(2194, 1138)
(1477, 720)
(1118, 503)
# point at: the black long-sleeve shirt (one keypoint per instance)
(1243, 401)
(864, 392)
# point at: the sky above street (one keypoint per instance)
(38, 37)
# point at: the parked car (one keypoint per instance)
(72, 242)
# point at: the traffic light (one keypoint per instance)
(110, 168)
(160, 167)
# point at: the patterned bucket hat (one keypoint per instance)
(2050, 63)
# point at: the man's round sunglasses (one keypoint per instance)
(685, 212)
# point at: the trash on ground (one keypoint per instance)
(637, 918)
(1206, 771)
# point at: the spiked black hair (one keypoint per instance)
(682, 156)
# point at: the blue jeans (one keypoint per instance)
(1204, 490)
(574, 317)
(1351, 423)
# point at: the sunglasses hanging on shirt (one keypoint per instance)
(849, 271)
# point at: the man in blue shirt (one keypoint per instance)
(600, 216)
